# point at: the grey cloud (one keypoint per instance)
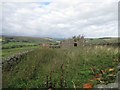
(61, 18)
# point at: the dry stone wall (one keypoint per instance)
(9, 63)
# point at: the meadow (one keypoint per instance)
(64, 67)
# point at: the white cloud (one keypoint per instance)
(61, 18)
(25, 0)
(0, 18)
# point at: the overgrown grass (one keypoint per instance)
(70, 67)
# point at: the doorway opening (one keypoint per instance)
(75, 44)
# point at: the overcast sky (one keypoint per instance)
(60, 18)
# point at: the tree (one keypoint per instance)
(75, 38)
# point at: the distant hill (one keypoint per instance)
(102, 40)
(27, 39)
(38, 40)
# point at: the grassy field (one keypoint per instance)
(71, 67)
(10, 52)
(14, 45)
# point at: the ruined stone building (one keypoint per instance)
(72, 43)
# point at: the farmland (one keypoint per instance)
(61, 67)
(15, 44)
(10, 52)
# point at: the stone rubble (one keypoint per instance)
(111, 86)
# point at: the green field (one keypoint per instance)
(11, 52)
(16, 45)
(63, 68)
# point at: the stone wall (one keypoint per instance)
(67, 43)
(70, 43)
(9, 63)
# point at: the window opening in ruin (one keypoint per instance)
(75, 44)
